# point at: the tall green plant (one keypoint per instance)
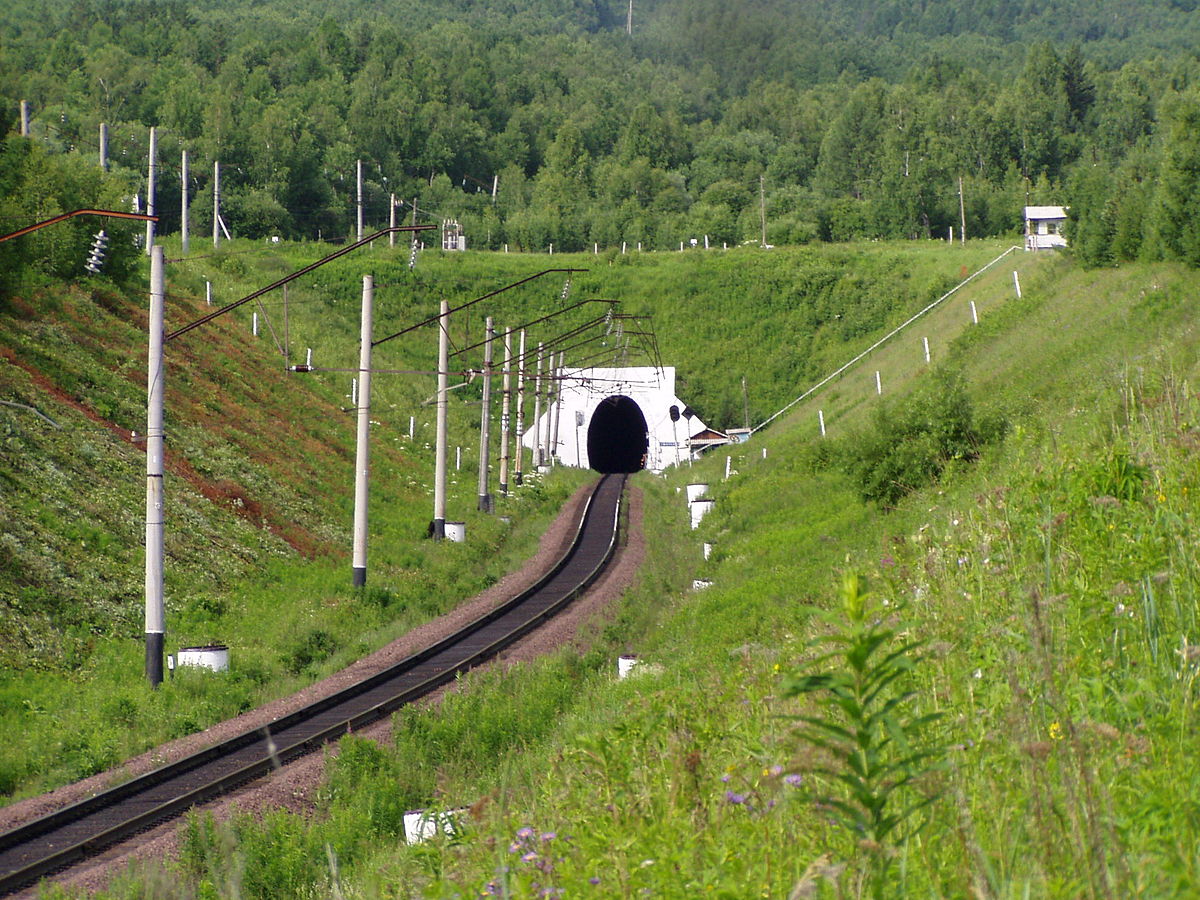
(877, 747)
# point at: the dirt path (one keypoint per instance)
(292, 787)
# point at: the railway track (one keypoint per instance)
(75, 833)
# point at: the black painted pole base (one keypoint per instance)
(360, 576)
(520, 479)
(154, 658)
(437, 529)
(504, 488)
(485, 503)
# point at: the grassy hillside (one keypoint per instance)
(1038, 599)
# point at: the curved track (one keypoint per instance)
(77, 832)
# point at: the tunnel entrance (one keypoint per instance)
(617, 437)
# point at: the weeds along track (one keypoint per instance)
(74, 833)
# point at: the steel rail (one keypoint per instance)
(256, 752)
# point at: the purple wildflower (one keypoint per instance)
(776, 771)
(794, 780)
(734, 797)
(529, 857)
(549, 835)
(525, 832)
(595, 879)
(725, 778)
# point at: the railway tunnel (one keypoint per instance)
(617, 437)
(620, 419)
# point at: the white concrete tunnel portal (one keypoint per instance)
(618, 420)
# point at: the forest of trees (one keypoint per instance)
(828, 119)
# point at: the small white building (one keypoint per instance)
(612, 419)
(1044, 227)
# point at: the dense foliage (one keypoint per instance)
(808, 120)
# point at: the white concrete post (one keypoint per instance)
(537, 410)
(151, 171)
(518, 448)
(359, 202)
(216, 204)
(439, 464)
(362, 457)
(485, 422)
(505, 403)
(183, 202)
(155, 392)
(925, 341)
(104, 146)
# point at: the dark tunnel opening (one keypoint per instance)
(617, 437)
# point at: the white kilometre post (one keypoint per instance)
(155, 616)
(439, 460)
(151, 171)
(362, 458)
(505, 404)
(485, 424)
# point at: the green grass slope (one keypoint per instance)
(1030, 625)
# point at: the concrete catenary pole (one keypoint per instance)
(183, 201)
(24, 118)
(362, 459)
(154, 475)
(485, 423)
(216, 204)
(518, 447)
(439, 461)
(558, 402)
(359, 200)
(505, 404)
(104, 146)
(151, 171)
(537, 411)
(392, 219)
(544, 427)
